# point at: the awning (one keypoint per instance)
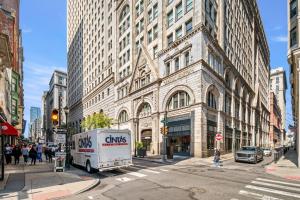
(8, 130)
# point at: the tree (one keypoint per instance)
(97, 120)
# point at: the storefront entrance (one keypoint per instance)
(228, 140)
(211, 137)
(179, 136)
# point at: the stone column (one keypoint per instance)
(233, 120)
(200, 132)
(222, 23)
(247, 123)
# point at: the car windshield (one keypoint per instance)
(248, 148)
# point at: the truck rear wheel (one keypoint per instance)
(88, 167)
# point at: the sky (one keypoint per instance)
(44, 41)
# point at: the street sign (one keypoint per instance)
(59, 138)
(219, 136)
(60, 161)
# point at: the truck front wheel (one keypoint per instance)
(88, 167)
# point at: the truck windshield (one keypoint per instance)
(248, 148)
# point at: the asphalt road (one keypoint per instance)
(233, 181)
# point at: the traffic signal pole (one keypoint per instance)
(165, 138)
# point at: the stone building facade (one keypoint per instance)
(276, 136)
(183, 59)
(278, 85)
(293, 59)
(54, 98)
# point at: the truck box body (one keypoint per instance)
(104, 149)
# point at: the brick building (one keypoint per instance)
(276, 136)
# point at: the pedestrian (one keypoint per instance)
(17, 153)
(33, 154)
(25, 153)
(8, 153)
(217, 156)
(40, 152)
(50, 154)
(46, 152)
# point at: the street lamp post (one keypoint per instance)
(66, 110)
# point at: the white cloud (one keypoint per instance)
(27, 30)
(280, 38)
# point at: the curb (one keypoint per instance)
(97, 182)
(155, 161)
(4, 182)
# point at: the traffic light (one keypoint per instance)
(164, 130)
(54, 117)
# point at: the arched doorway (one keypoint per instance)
(146, 138)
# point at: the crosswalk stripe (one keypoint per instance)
(140, 175)
(276, 186)
(257, 196)
(124, 179)
(151, 171)
(273, 191)
(280, 182)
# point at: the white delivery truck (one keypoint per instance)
(102, 149)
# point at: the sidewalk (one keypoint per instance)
(41, 182)
(286, 167)
(184, 160)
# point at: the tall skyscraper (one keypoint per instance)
(204, 65)
(35, 113)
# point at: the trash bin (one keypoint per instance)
(170, 152)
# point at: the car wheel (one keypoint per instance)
(88, 167)
(255, 161)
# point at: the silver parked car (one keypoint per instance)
(249, 154)
(267, 152)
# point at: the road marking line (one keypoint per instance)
(137, 174)
(276, 186)
(124, 179)
(90, 197)
(280, 182)
(257, 196)
(151, 171)
(273, 191)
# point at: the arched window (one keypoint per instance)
(145, 110)
(211, 100)
(179, 100)
(123, 117)
(124, 13)
(227, 80)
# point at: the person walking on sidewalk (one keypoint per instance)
(50, 154)
(25, 153)
(40, 152)
(8, 153)
(33, 154)
(17, 153)
(217, 156)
